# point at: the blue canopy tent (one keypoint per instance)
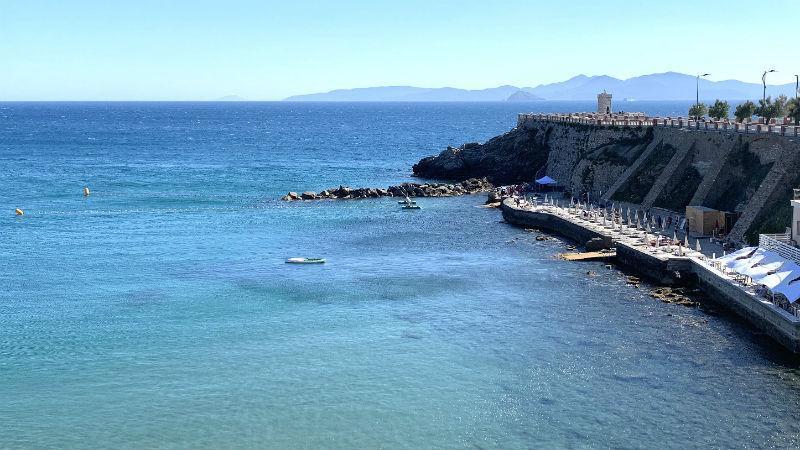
(546, 181)
(547, 184)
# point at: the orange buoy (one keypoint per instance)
(86, 191)
(19, 212)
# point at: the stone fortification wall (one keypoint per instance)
(653, 166)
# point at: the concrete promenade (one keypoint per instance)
(785, 128)
(659, 259)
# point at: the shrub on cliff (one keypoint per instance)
(793, 110)
(719, 110)
(769, 109)
(745, 111)
(697, 111)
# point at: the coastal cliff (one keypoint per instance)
(655, 167)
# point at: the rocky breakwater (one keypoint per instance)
(466, 187)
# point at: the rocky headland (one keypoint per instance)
(466, 187)
(665, 168)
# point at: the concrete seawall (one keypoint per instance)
(672, 272)
(653, 269)
(549, 222)
(780, 325)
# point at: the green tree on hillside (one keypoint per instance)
(697, 111)
(770, 109)
(719, 110)
(745, 111)
(793, 110)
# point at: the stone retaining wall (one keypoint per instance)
(651, 268)
(776, 323)
(549, 222)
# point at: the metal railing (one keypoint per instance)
(639, 120)
(780, 244)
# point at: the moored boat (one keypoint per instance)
(305, 260)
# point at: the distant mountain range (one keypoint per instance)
(409, 94)
(657, 86)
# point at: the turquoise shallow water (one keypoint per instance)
(159, 313)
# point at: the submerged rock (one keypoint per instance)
(595, 244)
(673, 295)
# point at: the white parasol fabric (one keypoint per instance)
(736, 254)
(790, 289)
(787, 272)
(746, 261)
(771, 261)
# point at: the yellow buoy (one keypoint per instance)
(19, 212)
(86, 191)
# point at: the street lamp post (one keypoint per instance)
(697, 93)
(764, 82)
(697, 89)
(796, 86)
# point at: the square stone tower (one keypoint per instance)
(604, 103)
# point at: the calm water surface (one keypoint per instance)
(158, 312)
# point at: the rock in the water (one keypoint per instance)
(673, 295)
(595, 244)
(471, 186)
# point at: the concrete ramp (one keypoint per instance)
(776, 178)
(709, 180)
(632, 169)
(678, 161)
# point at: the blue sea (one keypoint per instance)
(159, 313)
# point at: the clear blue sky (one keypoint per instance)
(266, 50)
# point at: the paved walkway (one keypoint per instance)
(629, 234)
(641, 240)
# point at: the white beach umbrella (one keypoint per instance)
(686, 240)
(697, 245)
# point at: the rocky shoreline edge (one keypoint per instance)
(466, 187)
